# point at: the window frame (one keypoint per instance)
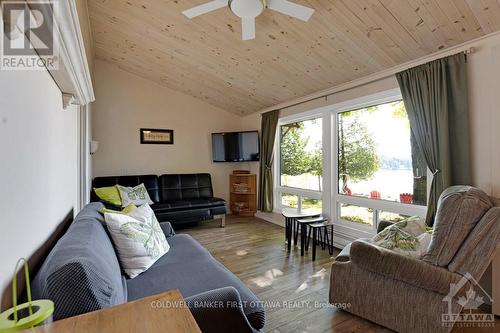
(377, 205)
(322, 114)
(344, 231)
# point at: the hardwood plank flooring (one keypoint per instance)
(294, 287)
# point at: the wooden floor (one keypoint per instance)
(294, 287)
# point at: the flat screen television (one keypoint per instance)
(235, 146)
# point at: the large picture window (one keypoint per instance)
(301, 154)
(381, 174)
(375, 156)
(301, 164)
(354, 161)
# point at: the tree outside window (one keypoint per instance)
(301, 161)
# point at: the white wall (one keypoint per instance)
(38, 167)
(484, 74)
(125, 103)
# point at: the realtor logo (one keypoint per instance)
(27, 35)
(463, 309)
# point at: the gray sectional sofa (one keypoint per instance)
(82, 274)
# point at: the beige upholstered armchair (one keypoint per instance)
(421, 295)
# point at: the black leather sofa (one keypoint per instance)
(178, 198)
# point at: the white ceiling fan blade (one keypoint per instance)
(205, 8)
(248, 28)
(291, 9)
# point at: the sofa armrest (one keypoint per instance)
(398, 267)
(167, 229)
(219, 310)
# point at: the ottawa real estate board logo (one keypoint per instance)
(28, 35)
(463, 305)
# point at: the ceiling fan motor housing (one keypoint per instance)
(247, 8)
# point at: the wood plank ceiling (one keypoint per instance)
(345, 40)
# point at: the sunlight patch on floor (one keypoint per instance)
(268, 278)
(313, 279)
(241, 252)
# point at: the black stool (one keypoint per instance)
(320, 235)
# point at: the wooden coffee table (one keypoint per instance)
(165, 312)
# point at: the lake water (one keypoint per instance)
(390, 183)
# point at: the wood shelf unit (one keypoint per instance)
(243, 194)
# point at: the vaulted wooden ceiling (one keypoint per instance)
(345, 40)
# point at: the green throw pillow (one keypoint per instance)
(129, 209)
(109, 194)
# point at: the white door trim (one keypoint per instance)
(75, 69)
(72, 75)
(84, 158)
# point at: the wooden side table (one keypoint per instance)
(304, 223)
(320, 235)
(291, 226)
(165, 312)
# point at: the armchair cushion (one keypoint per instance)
(459, 210)
(398, 267)
(478, 249)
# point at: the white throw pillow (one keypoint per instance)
(138, 238)
(134, 195)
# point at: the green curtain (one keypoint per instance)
(268, 134)
(436, 99)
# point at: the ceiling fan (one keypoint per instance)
(248, 10)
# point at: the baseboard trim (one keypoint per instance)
(273, 218)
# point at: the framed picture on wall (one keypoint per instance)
(157, 136)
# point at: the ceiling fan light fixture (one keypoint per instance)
(247, 8)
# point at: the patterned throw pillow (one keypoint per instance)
(410, 237)
(138, 238)
(134, 195)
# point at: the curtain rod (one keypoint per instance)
(377, 76)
